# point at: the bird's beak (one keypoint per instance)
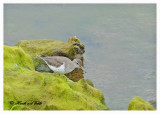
(82, 67)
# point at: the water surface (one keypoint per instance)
(120, 42)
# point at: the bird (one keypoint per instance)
(61, 64)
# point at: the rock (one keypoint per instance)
(27, 89)
(72, 49)
(138, 103)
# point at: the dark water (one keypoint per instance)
(120, 43)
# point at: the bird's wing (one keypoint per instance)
(54, 61)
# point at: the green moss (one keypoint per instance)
(19, 107)
(15, 56)
(90, 82)
(44, 91)
(138, 103)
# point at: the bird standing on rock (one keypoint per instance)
(60, 64)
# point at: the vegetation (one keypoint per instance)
(27, 89)
(138, 103)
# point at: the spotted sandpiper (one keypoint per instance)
(60, 64)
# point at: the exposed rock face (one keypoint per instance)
(72, 49)
(138, 103)
(27, 89)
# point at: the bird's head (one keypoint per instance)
(78, 63)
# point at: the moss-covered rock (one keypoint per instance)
(27, 89)
(138, 103)
(72, 49)
(15, 57)
(90, 82)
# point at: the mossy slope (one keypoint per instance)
(16, 57)
(138, 103)
(23, 83)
